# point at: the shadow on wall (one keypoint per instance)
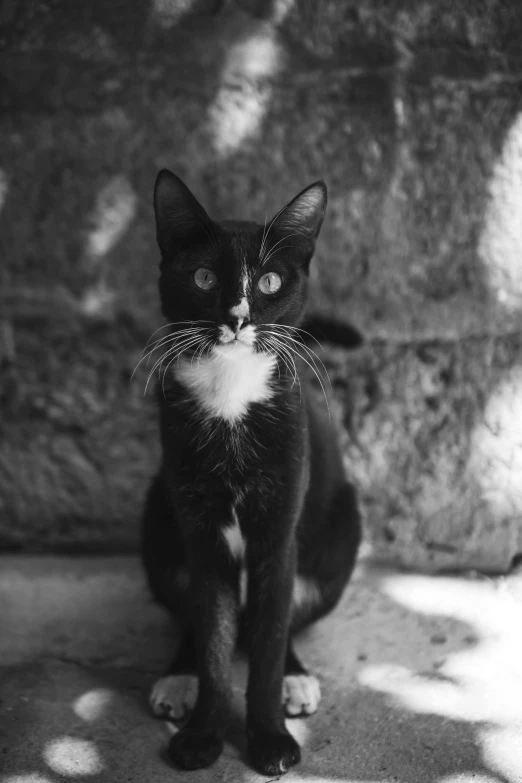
(384, 716)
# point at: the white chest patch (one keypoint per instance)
(227, 382)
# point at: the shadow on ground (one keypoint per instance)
(419, 676)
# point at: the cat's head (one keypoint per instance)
(234, 278)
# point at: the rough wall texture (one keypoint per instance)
(410, 112)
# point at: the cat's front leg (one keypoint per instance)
(213, 606)
(272, 749)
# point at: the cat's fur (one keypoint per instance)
(251, 505)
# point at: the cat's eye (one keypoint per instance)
(205, 279)
(270, 283)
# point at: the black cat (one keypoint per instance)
(250, 530)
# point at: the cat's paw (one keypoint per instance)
(194, 750)
(301, 694)
(273, 754)
(174, 696)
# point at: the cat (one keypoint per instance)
(250, 529)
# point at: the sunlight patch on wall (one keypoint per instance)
(91, 705)
(70, 756)
(112, 215)
(4, 187)
(98, 299)
(114, 210)
(167, 13)
(242, 101)
(496, 448)
(500, 246)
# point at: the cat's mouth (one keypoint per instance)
(243, 337)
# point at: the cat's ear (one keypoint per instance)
(305, 213)
(178, 214)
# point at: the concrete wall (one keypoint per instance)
(409, 111)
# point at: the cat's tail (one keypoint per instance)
(325, 330)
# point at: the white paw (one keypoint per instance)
(301, 694)
(174, 696)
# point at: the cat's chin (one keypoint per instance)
(233, 350)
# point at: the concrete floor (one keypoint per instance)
(421, 680)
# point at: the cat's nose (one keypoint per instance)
(236, 323)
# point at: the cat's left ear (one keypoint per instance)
(305, 213)
(179, 216)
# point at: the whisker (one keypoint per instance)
(286, 236)
(172, 338)
(263, 237)
(270, 226)
(273, 252)
(177, 323)
(293, 369)
(176, 334)
(265, 346)
(199, 352)
(165, 355)
(310, 365)
(165, 341)
(146, 356)
(298, 329)
(177, 354)
(285, 355)
(314, 358)
(314, 370)
(312, 355)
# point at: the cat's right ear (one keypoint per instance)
(178, 214)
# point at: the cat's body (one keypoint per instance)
(250, 530)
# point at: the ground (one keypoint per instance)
(420, 678)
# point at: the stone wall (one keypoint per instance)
(409, 111)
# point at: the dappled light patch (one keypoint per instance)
(71, 757)
(113, 213)
(500, 246)
(115, 207)
(502, 747)
(298, 729)
(481, 683)
(167, 13)
(98, 299)
(496, 448)
(242, 101)
(417, 692)
(91, 705)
